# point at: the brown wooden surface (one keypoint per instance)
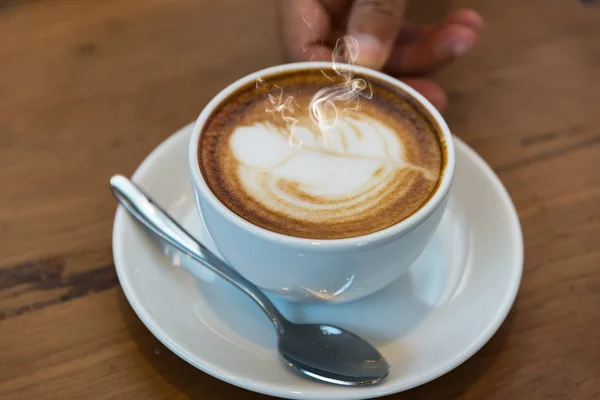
(88, 88)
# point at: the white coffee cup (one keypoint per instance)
(309, 270)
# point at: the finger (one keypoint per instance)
(305, 27)
(430, 90)
(375, 24)
(424, 50)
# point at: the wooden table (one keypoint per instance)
(88, 88)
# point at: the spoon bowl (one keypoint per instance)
(331, 354)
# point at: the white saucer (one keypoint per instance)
(428, 322)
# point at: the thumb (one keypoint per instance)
(375, 25)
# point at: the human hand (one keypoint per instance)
(312, 27)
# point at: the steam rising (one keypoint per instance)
(329, 105)
(284, 108)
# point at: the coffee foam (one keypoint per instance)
(372, 169)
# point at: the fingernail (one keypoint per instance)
(453, 49)
(460, 48)
(371, 52)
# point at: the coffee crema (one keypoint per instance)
(377, 166)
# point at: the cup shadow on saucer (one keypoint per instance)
(382, 317)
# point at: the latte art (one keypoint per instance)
(370, 170)
(337, 175)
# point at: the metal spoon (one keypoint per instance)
(319, 351)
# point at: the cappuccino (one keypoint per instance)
(370, 166)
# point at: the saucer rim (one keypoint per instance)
(279, 390)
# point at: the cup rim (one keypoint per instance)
(398, 229)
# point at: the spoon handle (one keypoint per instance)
(150, 214)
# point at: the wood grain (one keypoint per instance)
(88, 88)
